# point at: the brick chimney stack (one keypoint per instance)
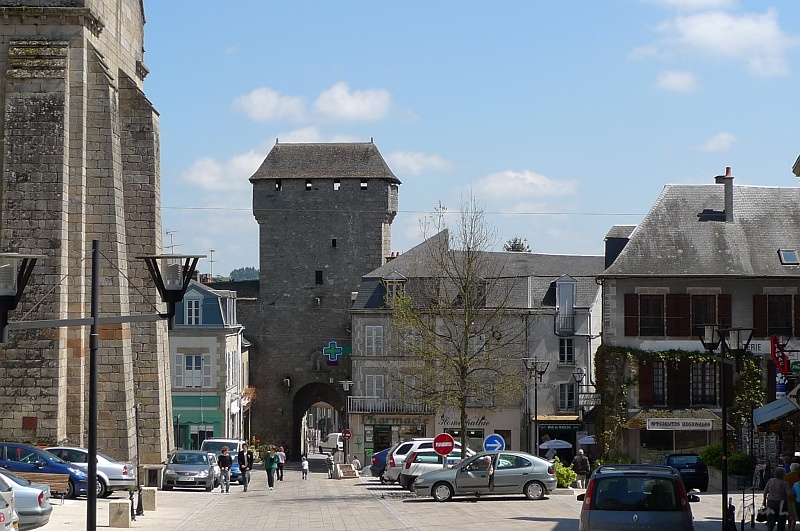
(727, 180)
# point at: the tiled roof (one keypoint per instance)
(352, 160)
(673, 240)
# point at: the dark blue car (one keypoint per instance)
(379, 465)
(19, 457)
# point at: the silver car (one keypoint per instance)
(498, 472)
(191, 468)
(111, 474)
(6, 516)
(31, 500)
(640, 497)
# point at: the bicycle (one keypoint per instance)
(748, 509)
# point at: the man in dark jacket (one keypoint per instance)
(581, 467)
(245, 459)
(225, 463)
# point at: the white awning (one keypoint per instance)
(783, 407)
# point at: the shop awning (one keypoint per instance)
(776, 410)
(557, 418)
(639, 420)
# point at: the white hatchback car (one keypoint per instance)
(399, 452)
(421, 461)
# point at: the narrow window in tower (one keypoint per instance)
(308, 184)
(333, 242)
(278, 185)
(363, 184)
(336, 185)
(318, 278)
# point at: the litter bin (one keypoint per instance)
(152, 475)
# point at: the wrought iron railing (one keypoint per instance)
(374, 404)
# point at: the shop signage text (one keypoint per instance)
(680, 424)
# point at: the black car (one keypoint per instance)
(691, 467)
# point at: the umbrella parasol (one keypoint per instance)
(589, 439)
(555, 444)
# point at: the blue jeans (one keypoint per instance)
(225, 480)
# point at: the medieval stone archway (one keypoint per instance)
(307, 396)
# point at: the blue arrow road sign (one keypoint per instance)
(493, 443)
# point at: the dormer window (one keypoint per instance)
(566, 288)
(395, 284)
(789, 256)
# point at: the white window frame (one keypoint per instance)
(373, 340)
(564, 391)
(185, 378)
(374, 385)
(193, 311)
(566, 351)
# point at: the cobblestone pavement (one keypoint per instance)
(358, 504)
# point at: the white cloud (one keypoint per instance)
(718, 143)
(754, 39)
(340, 103)
(265, 104)
(694, 5)
(676, 81)
(511, 184)
(415, 163)
(232, 175)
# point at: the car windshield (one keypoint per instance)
(635, 493)
(189, 459)
(16, 479)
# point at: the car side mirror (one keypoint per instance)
(39, 464)
(693, 498)
(581, 497)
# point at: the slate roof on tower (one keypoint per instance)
(352, 160)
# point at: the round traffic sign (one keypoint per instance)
(443, 443)
(493, 443)
(346, 434)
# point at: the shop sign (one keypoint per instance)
(448, 422)
(394, 421)
(680, 424)
(559, 426)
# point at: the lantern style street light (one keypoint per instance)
(171, 280)
(733, 341)
(536, 369)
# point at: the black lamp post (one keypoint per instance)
(736, 342)
(171, 284)
(536, 369)
(578, 375)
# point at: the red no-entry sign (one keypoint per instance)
(346, 434)
(443, 443)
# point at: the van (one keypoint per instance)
(332, 443)
(214, 445)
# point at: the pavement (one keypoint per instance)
(358, 504)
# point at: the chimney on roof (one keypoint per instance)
(727, 181)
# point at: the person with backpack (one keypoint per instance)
(580, 464)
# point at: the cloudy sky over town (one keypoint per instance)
(560, 118)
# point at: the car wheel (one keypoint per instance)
(70, 490)
(410, 484)
(101, 488)
(534, 490)
(442, 491)
(209, 488)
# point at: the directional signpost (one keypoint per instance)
(494, 443)
(443, 444)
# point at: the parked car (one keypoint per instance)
(497, 472)
(398, 453)
(6, 516)
(215, 445)
(191, 468)
(334, 442)
(691, 467)
(653, 497)
(19, 457)
(31, 500)
(421, 461)
(378, 465)
(7, 496)
(111, 474)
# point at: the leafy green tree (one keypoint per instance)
(244, 273)
(517, 245)
(462, 345)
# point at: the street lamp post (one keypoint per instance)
(536, 369)
(171, 279)
(736, 342)
(578, 375)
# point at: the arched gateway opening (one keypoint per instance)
(317, 409)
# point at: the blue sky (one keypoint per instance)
(561, 118)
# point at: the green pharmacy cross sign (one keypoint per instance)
(333, 352)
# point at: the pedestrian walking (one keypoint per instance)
(281, 462)
(329, 462)
(776, 496)
(356, 464)
(792, 478)
(580, 464)
(304, 467)
(271, 464)
(246, 460)
(225, 463)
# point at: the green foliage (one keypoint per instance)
(739, 464)
(565, 475)
(613, 459)
(517, 245)
(712, 455)
(244, 273)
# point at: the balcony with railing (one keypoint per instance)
(565, 325)
(374, 404)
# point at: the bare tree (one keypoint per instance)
(452, 319)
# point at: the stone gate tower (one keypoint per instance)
(324, 213)
(80, 161)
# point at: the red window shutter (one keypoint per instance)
(771, 372)
(678, 318)
(632, 315)
(645, 383)
(724, 310)
(760, 328)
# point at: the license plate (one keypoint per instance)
(186, 480)
(690, 470)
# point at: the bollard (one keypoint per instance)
(133, 513)
(119, 513)
(149, 497)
